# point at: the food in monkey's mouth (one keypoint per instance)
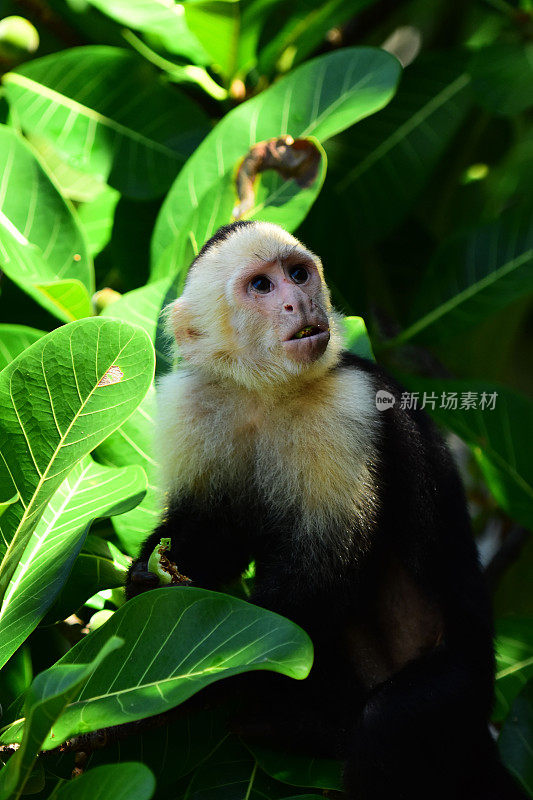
(309, 330)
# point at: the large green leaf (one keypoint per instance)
(383, 164)
(515, 739)
(48, 695)
(108, 113)
(42, 247)
(318, 99)
(514, 657)
(14, 339)
(58, 400)
(90, 491)
(502, 76)
(126, 781)
(474, 274)
(498, 425)
(178, 640)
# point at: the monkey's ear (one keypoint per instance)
(179, 320)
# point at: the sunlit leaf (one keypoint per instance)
(57, 403)
(215, 23)
(177, 641)
(356, 337)
(42, 247)
(106, 111)
(90, 491)
(161, 20)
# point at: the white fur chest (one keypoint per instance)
(310, 452)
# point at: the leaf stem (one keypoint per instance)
(188, 73)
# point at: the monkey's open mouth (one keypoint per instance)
(308, 343)
(308, 330)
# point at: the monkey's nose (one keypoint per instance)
(288, 307)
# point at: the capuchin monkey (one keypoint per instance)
(273, 450)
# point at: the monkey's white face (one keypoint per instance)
(256, 308)
(284, 297)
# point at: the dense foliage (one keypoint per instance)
(124, 127)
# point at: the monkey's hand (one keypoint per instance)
(140, 579)
(158, 570)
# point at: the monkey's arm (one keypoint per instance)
(208, 544)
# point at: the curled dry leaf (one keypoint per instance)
(292, 158)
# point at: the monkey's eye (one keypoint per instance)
(299, 274)
(261, 284)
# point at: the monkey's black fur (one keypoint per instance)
(421, 732)
(221, 234)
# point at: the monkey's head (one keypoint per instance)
(256, 308)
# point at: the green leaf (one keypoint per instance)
(297, 770)
(514, 659)
(231, 774)
(304, 27)
(383, 164)
(58, 400)
(472, 275)
(4, 504)
(318, 99)
(171, 750)
(502, 75)
(126, 781)
(73, 184)
(90, 492)
(96, 217)
(100, 565)
(215, 23)
(356, 338)
(499, 437)
(515, 739)
(134, 136)
(14, 339)
(163, 22)
(42, 247)
(48, 695)
(178, 641)
(132, 443)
